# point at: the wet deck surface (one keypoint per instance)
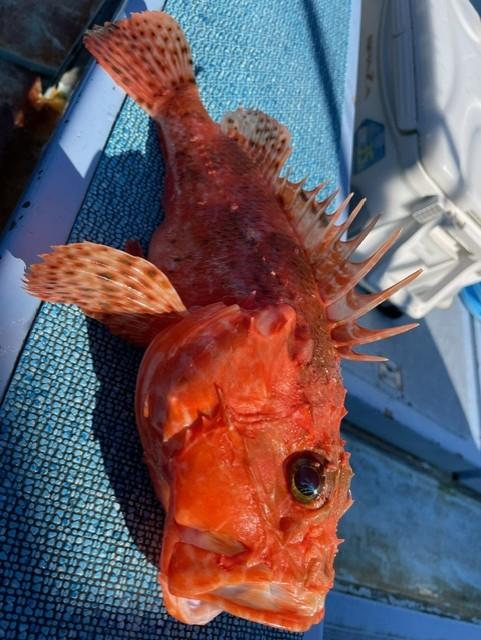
(411, 536)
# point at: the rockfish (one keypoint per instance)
(246, 303)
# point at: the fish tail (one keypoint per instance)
(147, 55)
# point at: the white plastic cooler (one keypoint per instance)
(417, 151)
(417, 146)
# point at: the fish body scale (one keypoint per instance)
(225, 235)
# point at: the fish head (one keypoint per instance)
(244, 452)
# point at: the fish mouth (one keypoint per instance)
(270, 603)
(270, 597)
(198, 584)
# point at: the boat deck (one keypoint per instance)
(82, 526)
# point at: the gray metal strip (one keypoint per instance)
(353, 618)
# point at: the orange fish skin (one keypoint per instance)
(218, 464)
(226, 236)
(246, 303)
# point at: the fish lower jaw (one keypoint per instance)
(203, 574)
(273, 604)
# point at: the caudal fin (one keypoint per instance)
(146, 54)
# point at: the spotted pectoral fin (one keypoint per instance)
(127, 293)
(266, 141)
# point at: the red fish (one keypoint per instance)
(246, 305)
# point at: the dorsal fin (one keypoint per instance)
(265, 140)
(321, 236)
(268, 144)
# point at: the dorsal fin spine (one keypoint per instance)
(363, 303)
(347, 247)
(321, 236)
(360, 269)
(319, 233)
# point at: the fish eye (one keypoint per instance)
(306, 478)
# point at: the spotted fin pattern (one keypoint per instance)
(147, 55)
(321, 236)
(127, 293)
(267, 142)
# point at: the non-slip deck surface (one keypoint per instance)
(79, 524)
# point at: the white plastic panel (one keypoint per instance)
(418, 125)
(403, 67)
(447, 50)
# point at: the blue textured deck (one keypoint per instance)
(81, 529)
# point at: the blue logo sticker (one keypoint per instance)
(368, 145)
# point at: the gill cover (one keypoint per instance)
(220, 408)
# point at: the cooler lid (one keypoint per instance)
(446, 36)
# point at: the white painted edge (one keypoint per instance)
(349, 107)
(47, 210)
